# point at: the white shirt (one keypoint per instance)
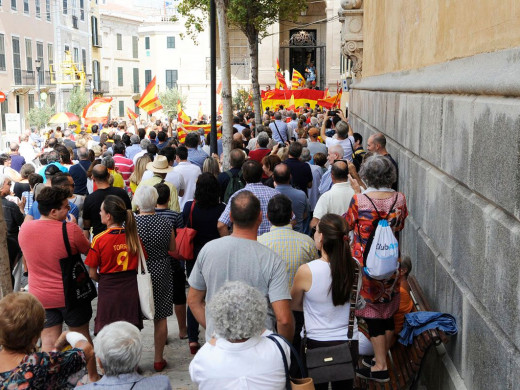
(137, 155)
(346, 144)
(190, 172)
(172, 177)
(255, 364)
(336, 200)
(313, 192)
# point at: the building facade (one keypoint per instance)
(441, 82)
(26, 46)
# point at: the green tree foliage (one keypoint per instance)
(169, 99)
(78, 99)
(39, 117)
(242, 99)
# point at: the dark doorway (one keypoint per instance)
(300, 57)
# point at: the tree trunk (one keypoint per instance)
(252, 39)
(225, 71)
(5, 270)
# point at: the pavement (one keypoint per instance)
(176, 353)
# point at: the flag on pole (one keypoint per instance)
(327, 93)
(131, 114)
(297, 79)
(201, 113)
(280, 81)
(291, 105)
(219, 88)
(152, 105)
(277, 65)
(148, 94)
(181, 115)
(220, 108)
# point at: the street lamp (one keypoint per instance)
(38, 64)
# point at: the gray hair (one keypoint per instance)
(144, 143)
(82, 153)
(338, 149)
(342, 128)
(263, 138)
(134, 139)
(238, 311)
(378, 171)
(119, 346)
(53, 156)
(306, 155)
(108, 161)
(145, 198)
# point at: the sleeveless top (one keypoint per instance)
(323, 320)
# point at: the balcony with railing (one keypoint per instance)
(97, 41)
(24, 77)
(99, 86)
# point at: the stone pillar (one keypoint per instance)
(351, 17)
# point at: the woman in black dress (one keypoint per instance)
(207, 209)
(158, 237)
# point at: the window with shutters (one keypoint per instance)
(171, 79)
(121, 108)
(119, 38)
(170, 42)
(135, 47)
(48, 10)
(39, 56)
(50, 54)
(95, 36)
(76, 55)
(147, 77)
(82, 9)
(26, 6)
(38, 9)
(13, 5)
(2, 52)
(95, 75)
(65, 7)
(28, 54)
(17, 61)
(147, 43)
(136, 80)
(84, 59)
(31, 101)
(120, 76)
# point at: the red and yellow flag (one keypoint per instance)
(201, 112)
(152, 106)
(148, 94)
(181, 115)
(291, 105)
(131, 114)
(280, 81)
(331, 102)
(219, 88)
(183, 130)
(277, 65)
(297, 79)
(97, 110)
(220, 108)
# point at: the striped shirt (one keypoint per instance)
(294, 248)
(264, 195)
(125, 167)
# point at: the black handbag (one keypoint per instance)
(77, 285)
(335, 363)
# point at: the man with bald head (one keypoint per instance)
(240, 257)
(299, 200)
(337, 199)
(377, 144)
(92, 206)
(335, 152)
(79, 172)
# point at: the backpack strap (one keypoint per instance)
(389, 211)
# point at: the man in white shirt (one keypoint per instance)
(337, 199)
(173, 177)
(144, 144)
(190, 172)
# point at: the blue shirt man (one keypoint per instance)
(279, 129)
(195, 156)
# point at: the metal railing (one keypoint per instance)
(24, 77)
(100, 86)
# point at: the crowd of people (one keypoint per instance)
(279, 247)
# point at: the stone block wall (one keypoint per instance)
(459, 167)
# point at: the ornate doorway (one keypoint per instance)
(303, 49)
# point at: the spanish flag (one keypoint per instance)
(130, 113)
(291, 105)
(148, 94)
(220, 108)
(152, 105)
(297, 79)
(181, 115)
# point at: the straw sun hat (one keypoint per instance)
(159, 165)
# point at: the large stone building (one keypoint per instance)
(441, 80)
(26, 36)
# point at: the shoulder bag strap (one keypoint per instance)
(66, 238)
(286, 366)
(377, 211)
(191, 213)
(294, 353)
(353, 301)
(141, 261)
(278, 131)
